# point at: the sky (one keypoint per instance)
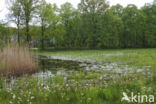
(138, 3)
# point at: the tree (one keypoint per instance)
(29, 9)
(117, 11)
(48, 20)
(93, 25)
(150, 27)
(129, 17)
(67, 15)
(43, 14)
(91, 14)
(111, 29)
(16, 14)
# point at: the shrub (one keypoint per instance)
(17, 60)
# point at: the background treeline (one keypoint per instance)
(93, 25)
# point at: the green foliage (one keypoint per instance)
(29, 10)
(5, 34)
(93, 25)
(16, 16)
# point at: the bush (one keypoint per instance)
(17, 60)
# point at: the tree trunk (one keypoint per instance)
(27, 33)
(18, 31)
(42, 40)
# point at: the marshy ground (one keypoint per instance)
(84, 77)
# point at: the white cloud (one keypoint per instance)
(3, 9)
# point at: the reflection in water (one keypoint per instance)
(51, 67)
(55, 65)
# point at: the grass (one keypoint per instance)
(85, 87)
(75, 89)
(16, 60)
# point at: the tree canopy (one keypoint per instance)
(95, 24)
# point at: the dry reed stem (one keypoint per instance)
(17, 60)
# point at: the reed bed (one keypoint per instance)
(17, 60)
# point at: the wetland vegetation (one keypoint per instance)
(92, 54)
(84, 77)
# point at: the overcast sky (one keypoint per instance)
(139, 3)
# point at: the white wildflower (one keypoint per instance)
(67, 99)
(14, 96)
(67, 85)
(32, 97)
(10, 102)
(89, 99)
(27, 100)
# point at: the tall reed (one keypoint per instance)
(17, 60)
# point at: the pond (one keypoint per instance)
(51, 66)
(54, 65)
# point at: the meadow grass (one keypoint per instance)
(76, 88)
(85, 87)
